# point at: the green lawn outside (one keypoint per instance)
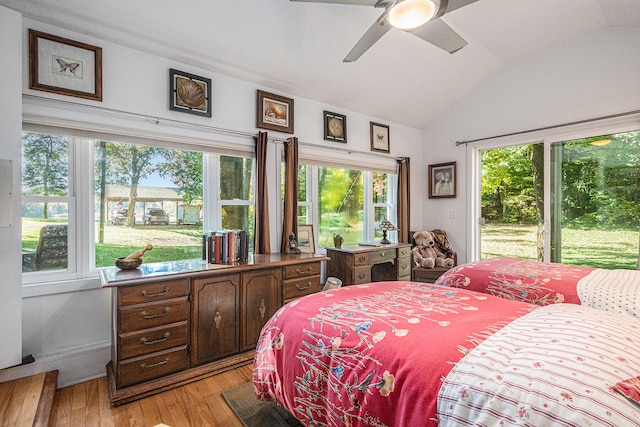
(587, 247)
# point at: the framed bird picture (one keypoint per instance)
(379, 137)
(64, 66)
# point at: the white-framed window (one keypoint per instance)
(99, 199)
(345, 200)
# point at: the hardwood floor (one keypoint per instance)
(196, 404)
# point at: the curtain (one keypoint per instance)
(403, 202)
(291, 189)
(261, 236)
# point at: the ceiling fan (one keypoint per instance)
(417, 17)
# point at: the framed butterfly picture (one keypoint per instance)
(379, 137)
(64, 66)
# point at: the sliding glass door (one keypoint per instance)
(592, 197)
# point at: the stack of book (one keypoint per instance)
(225, 247)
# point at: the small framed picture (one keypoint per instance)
(379, 137)
(306, 240)
(442, 180)
(335, 127)
(275, 112)
(189, 93)
(64, 66)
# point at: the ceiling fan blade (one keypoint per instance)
(457, 4)
(356, 2)
(439, 34)
(373, 34)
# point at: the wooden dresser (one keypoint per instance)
(355, 264)
(178, 322)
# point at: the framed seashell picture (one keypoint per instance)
(189, 93)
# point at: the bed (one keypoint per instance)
(418, 354)
(544, 283)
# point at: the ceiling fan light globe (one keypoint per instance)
(410, 14)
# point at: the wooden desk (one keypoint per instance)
(355, 264)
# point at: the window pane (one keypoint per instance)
(236, 178)
(340, 205)
(513, 202)
(596, 201)
(302, 183)
(239, 217)
(147, 195)
(302, 214)
(45, 165)
(44, 237)
(380, 187)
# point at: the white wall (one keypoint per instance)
(594, 76)
(69, 330)
(10, 130)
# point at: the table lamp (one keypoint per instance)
(384, 226)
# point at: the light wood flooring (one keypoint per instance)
(197, 404)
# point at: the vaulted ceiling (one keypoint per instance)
(297, 48)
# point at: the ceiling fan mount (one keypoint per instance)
(417, 17)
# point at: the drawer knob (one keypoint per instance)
(145, 366)
(145, 341)
(362, 258)
(145, 315)
(382, 254)
(165, 291)
(302, 288)
(307, 271)
(217, 319)
(362, 276)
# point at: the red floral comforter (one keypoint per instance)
(540, 283)
(372, 355)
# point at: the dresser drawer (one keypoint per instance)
(134, 371)
(296, 288)
(301, 270)
(362, 258)
(151, 292)
(361, 275)
(151, 340)
(144, 316)
(382, 255)
(403, 252)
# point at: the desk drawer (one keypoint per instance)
(134, 371)
(301, 270)
(144, 316)
(296, 288)
(404, 268)
(140, 294)
(404, 251)
(382, 255)
(361, 275)
(135, 344)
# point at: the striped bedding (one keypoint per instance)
(545, 283)
(415, 354)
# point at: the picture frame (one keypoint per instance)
(306, 239)
(379, 137)
(335, 127)
(442, 180)
(275, 112)
(189, 93)
(64, 66)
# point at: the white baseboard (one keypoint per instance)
(74, 366)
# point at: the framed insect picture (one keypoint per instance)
(189, 93)
(379, 137)
(64, 66)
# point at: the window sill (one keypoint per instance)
(60, 287)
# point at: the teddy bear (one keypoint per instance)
(426, 253)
